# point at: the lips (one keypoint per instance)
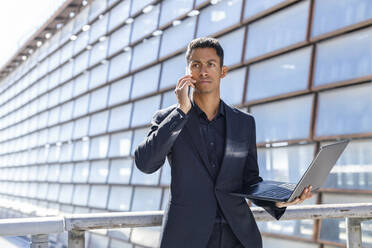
(204, 81)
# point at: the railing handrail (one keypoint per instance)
(77, 224)
(47, 225)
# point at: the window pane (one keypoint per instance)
(119, 91)
(171, 9)
(81, 106)
(120, 198)
(98, 123)
(53, 97)
(81, 42)
(145, 24)
(98, 241)
(344, 58)
(99, 147)
(120, 170)
(98, 171)
(173, 69)
(330, 15)
(138, 5)
(66, 130)
(120, 144)
(98, 100)
(146, 199)
(353, 168)
(98, 196)
(98, 52)
(53, 191)
(81, 172)
(120, 117)
(66, 152)
(66, 92)
(139, 177)
(81, 84)
(66, 193)
(177, 37)
(66, 51)
(232, 86)
(283, 120)
(165, 178)
(145, 52)
(349, 114)
(285, 164)
(169, 98)
(66, 173)
(81, 62)
(119, 39)
(119, 65)
(81, 128)
(98, 28)
(81, 195)
(232, 44)
(96, 8)
(66, 111)
(288, 73)
(278, 30)
(81, 150)
(119, 13)
(81, 19)
(139, 136)
(53, 116)
(66, 71)
(220, 16)
(253, 7)
(145, 81)
(98, 75)
(53, 173)
(143, 110)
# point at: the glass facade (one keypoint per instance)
(73, 113)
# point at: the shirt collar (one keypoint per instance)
(199, 112)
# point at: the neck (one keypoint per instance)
(209, 103)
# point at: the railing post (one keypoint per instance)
(76, 239)
(39, 241)
(353, 233)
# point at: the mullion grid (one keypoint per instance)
(309, 41)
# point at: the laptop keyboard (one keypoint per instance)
(279, 192)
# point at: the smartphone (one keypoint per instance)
(189, 90)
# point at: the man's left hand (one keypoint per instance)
(306, 194)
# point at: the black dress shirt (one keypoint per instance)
(213, 138)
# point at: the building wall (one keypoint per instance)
(72, 114)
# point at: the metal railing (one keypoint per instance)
(40, 227)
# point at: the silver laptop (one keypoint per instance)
(315, 175)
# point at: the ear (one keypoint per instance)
(223, 71)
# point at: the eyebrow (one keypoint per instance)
(195, 60)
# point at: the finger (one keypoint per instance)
(185, 84)
(182, 79)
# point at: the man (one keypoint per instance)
(211, 149)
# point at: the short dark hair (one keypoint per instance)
(205, 42)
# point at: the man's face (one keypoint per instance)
(204, 67)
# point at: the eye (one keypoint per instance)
(211, 64)
(195, 65)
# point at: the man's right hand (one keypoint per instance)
(181, 92)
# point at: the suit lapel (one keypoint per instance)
(192, 126)
(233, 125)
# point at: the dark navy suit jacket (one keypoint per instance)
(190, 214)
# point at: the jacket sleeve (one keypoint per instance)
(251, 176)
(166, 125)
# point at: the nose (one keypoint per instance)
(203, 71)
